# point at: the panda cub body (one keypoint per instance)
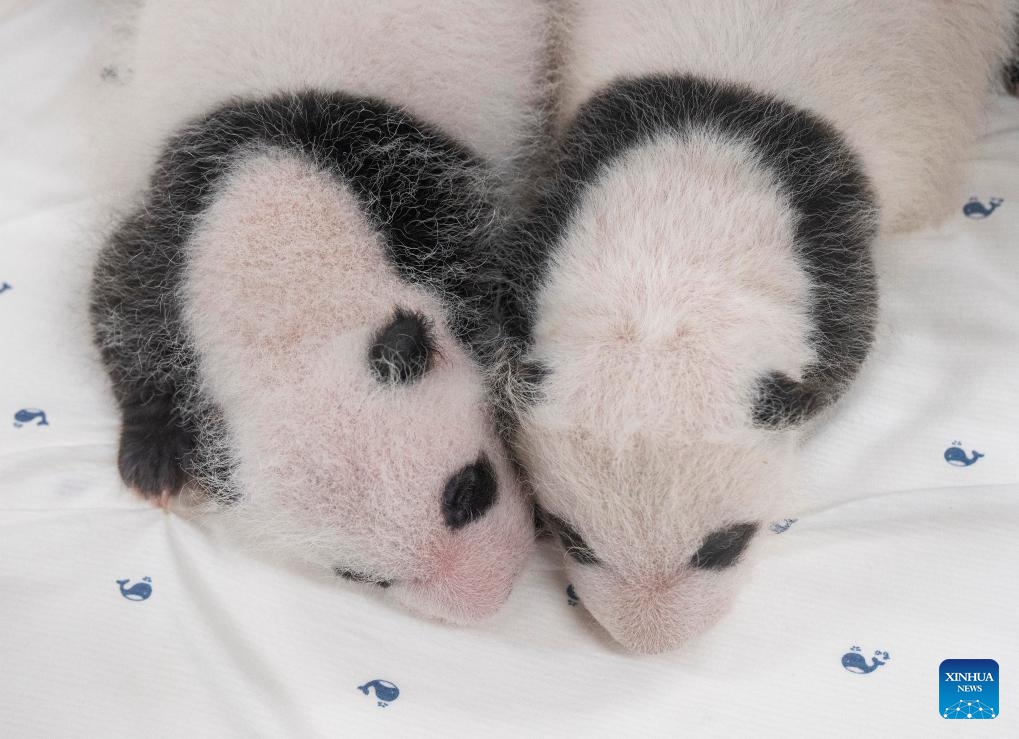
(696, 281)
(292, 313)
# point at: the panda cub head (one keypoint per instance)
(306, 272)
(702, 287)
(358, 426)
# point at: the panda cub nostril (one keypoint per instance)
(402, 351)
(469, 493)
(361, 577)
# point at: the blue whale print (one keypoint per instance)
(139, 591)
(4, 287)
(385, 691)
(854, 661)
(975, 209)
(27, 415)
(955, 455)
(780, 527)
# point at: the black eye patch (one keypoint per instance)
(469, 493)
(402, 351)
(361, 577)
(573, 542)
(723, 548)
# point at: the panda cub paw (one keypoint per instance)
(153, 448)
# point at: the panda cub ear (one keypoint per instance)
(781, 401)
(404, 349)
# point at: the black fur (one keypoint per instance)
(402, 351)
(469, 494)
(355, 576)
(781, 400)
(724, 547)
(154, 445)
(1010, 73)
(816, 169)
(571, 539)
(429, 196)
(531, 373)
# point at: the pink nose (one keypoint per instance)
(457, 599)
(654, 614)
(468, 575)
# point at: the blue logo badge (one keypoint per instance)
(955, 455)
(969, 688)
(854, 661)
(975, 209)
(385, 691)
(139, 591)
(571, 595)
(27, 415)
(782, 526)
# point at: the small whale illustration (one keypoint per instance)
(571, 595)
(782, 526)
(975, 209)
(956, 455)
(27, 415)
(5, 287)
(853, 661)
(385, 691)
(139, 591)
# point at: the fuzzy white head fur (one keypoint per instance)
(287, 286)
(643, 440)
(674, 283)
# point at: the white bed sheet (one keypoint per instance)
(895, 549)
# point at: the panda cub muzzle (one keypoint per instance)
(468, 496)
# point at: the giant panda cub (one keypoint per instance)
(292, 314)
(696, 283)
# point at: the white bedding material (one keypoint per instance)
(895, 549)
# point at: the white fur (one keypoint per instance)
(676, 284)
(478, 70)
(285, 289)
(904, 81)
